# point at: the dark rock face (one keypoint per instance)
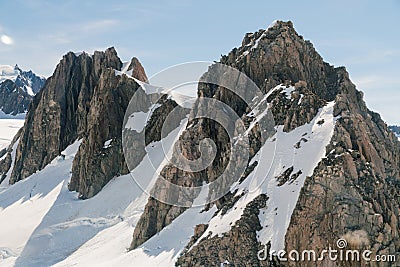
(97, 162)
(57, 116)
(86, 99)
(104, 120)
(82, 100)
(355, 188)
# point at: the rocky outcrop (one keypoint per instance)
(83, 99)
(6, 157)
(136, 70)
(95, 163)
(231, 247)
(86, 98)
(100, 156)
(261, 57)
(354, 188)
(57, 116)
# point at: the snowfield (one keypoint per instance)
(8, 129)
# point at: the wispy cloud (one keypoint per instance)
(58, 38)
(375, 81)
(99, 25)
(367, 81)
(377, 56)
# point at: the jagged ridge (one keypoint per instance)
(364, 149)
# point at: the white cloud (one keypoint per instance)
(58, 38)
(100, 25)
(376, 81)
(367, 81)
(7, 40)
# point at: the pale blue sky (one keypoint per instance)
(361, 35)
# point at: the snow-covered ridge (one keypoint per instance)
(27, 80)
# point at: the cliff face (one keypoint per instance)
(356, 188)
(57, 115)
(353, 187)
(84, 99)
(104, 122)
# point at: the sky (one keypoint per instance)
(361, 35)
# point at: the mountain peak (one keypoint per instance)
(17, 68)
(271, 32)
(28, 81)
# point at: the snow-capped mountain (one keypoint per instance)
(27, 80)
(17, 88)
(327, 168)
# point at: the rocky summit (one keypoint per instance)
(353, 187)
(323, 171)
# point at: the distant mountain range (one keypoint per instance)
(17, 88)
(396, 130)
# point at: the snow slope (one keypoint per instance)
(60, 223)
(163, 249)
